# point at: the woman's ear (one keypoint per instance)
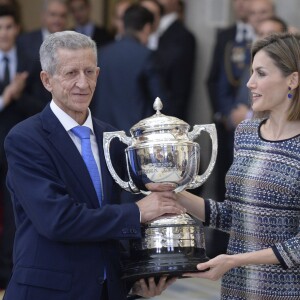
(294, 80)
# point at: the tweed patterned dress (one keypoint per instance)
(261, 210)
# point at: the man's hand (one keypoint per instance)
(14, 90)
(157, 204)
(160, 187)
(151, 289)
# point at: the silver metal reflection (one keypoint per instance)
(162, 149)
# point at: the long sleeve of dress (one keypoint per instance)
(218, 215)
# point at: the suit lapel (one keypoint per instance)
(62, 142)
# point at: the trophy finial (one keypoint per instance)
(157, 105)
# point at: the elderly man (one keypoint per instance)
(68, 215)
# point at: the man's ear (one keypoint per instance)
(143, 35)
(148, 28)
(46, 81)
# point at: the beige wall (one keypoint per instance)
(31, 13)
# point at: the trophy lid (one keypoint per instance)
(158, 121)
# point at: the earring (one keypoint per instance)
(290, 96)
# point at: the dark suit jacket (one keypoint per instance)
(28, 104)
(64, 241)
(30, 43)
(223, 37)
(176, 55)
(100, 35)
(128, 84)
(222, 84)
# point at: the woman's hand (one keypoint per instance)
(216, 267)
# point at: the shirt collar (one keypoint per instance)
(244, 27)
(67, 122)
(87, 29)
(166, 21)
(11, 54)
(45, 33)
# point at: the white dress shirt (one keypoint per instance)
(12, 56)
(68, 123)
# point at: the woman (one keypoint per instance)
(262, 207)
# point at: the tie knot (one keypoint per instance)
(82, 132)
(5, 59)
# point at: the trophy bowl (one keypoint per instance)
(161, 149)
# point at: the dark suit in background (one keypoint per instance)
(100, 35)
(176, 55)
(26, 105)
(229, 61)
(129, 77)
(30, 43)
(128, 85)
(223, 38)
(81, 13)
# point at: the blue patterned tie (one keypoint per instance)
(83, 133)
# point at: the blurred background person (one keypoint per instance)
(176, 54)
(81, 14)
(157, 10)
(54, 17)
(17, 8)
(230, 61)
(119, 9)
(129, 78)
(17, 102)
(260, 10)
(231, 56)
(242, 109)
(181, 10)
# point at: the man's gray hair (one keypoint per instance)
(69, 40)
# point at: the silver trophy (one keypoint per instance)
(160, 150)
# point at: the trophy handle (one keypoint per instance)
(211, 129)
(107, 138)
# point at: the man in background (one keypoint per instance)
(54, 17)
(17, 102)
(119, 9)
(230, 58)
(157, 10)
(129, 79)
(81, 13)
(242, 109)
(176, 54)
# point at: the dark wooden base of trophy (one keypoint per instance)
(157, 262)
